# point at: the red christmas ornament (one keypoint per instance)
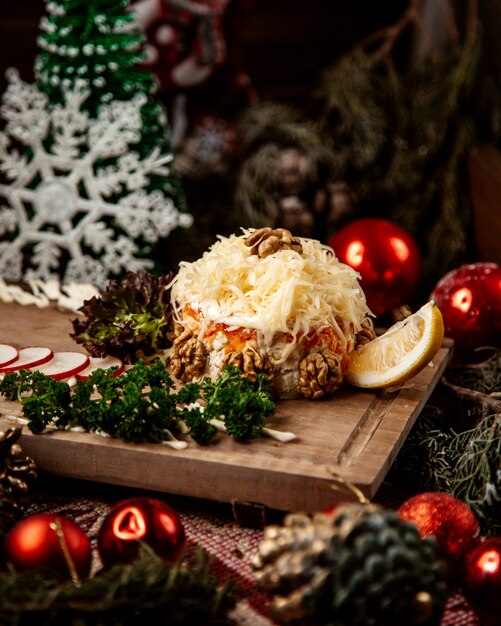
(140, 520)
(449, 519)
(387, 258)
(51, 543)
(469, 298)
(330, 510)
(483, 580)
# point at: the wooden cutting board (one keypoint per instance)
(356, 434)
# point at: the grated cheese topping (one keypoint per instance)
(286, 292)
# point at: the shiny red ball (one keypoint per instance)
(137, 520)
(451, 521)
(49, 543)
(386, 257)
(483, 580)
(330, 510)
(469, 298)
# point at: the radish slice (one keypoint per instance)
(104, 363)
(29, 357)
(64, 365)
(8, 354)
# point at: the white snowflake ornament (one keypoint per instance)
(77, 197)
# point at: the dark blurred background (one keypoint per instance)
(284, 42)
(283, 47)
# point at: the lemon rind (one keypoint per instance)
(420, 356)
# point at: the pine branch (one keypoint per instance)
(488, 403)
(148, 591)
(389, 35)
(458, 450)
(484, 376)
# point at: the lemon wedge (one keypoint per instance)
(400, 353)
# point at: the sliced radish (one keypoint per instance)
(64, 365)
(104, 363)
(29, 357)
(8, 354)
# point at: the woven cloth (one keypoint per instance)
(208, 525)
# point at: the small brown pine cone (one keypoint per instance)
(361, 565)
(16, 469)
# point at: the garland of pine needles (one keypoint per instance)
(148, 591)
(474, 471)
(399, 137)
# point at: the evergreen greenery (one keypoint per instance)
(456, 442)
(94, 44)
(147, 591)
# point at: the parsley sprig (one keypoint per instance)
(44, 399)
(142, 404)
(242, 405)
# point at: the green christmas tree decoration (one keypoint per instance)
(86, 185)
(94, 45)
(93, 42)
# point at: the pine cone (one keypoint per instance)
(362, 566)
(16, 470)
(282, 164)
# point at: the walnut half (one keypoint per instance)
(366, 333)
(189, 357)
(266, 241)
(320, 374)
(250, 361)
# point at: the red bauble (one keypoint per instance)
(387, 258)
(449, 519)
(50, 543)
(137, 520)
(469, 298)
(330, 510)
(483, 580)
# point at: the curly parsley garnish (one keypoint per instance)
(242, 405)
(141, 405)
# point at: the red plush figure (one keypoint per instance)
(192, 45)
(186, 39)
